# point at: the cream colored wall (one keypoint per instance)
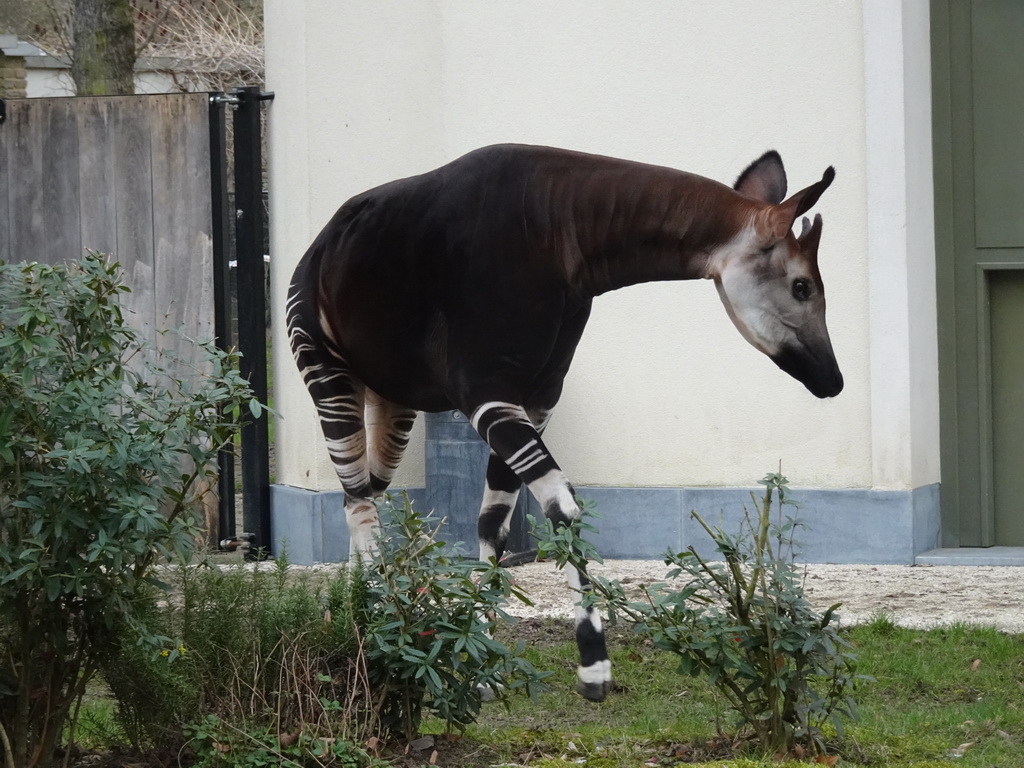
(663, 390)
(901, 245)
(356, 104)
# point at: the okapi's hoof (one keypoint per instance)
(594, 691)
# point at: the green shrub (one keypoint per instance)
(273, 664)
(104, 459)
(743, 622)
(428, 620)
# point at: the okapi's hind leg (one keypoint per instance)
(387, 435)
(339, 398)
(512, 436)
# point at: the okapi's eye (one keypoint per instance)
(801, 289)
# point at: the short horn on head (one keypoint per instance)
(810, 236)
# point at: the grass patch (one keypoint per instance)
(938, 691)
(943, 698)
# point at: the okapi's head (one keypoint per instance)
(769, 281)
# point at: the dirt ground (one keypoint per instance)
(919, 597)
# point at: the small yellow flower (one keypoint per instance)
(165, 653)
(181, 650)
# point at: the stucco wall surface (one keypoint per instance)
(663, 391)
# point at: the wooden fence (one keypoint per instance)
(125, 175)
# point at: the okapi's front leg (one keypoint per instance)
(511, 435)
(501, 491)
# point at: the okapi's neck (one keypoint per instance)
(644, 223)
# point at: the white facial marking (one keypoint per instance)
(754, 285)
(749, 304)
(742, 243)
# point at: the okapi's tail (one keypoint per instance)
(302, 310)
(307, 338)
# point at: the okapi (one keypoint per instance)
(469, 287)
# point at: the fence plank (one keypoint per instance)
(5, 207)
(182, 230)
(96, 168)
(182, 216)
(62, 228)
(133, 200)
(25, 190)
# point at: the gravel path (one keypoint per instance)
(915, 596)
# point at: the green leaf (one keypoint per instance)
(826, 619)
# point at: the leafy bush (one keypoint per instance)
(289, 666)
(743, 622)
(428, 620)
(104, 459)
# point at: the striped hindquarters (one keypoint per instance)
(337, 394)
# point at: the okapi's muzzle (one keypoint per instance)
(820, 374)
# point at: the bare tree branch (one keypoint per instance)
(213, 50)
(145, 37)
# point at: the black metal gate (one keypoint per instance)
(240, 211)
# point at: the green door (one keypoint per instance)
(978, 89)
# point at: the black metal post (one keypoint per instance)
(221, 297)
(252, 312)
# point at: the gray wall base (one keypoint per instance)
(841, 526)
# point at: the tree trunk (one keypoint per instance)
(103, 59)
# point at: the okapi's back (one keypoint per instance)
(505, 237)
(417, 235)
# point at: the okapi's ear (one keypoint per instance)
(780, 219)
(811, 234)
(764, 179)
